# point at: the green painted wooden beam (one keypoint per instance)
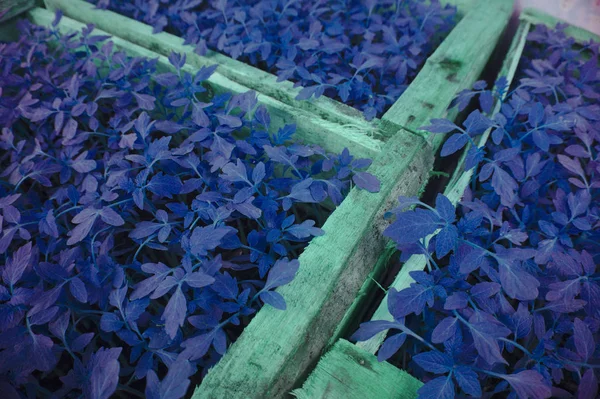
(348, 372)
(331, 136)
(539, 17)
(277, 348)
(454, 191)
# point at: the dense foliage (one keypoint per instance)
(143, 220)
(510, 299)
(363, 53)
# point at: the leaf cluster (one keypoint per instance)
(143, 219)
(509, 301)
(362, 53)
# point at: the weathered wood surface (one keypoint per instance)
(277, 348)
(14, 7)
(348, 372)
(538, 17)
(310, 129)
(454, 191)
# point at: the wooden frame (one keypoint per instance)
(342, 359)
(277, 347)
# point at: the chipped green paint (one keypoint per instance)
(348, 372)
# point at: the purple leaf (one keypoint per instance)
(369, 329)
(444, 330)
(439, 388)
(528, 384)
(15, 267)
(274, 299)
(282, 273)
(454, 143)
(411, 226)
(174, 314)
(434, 362)
(104, 370)
(588, 386)
(109, 216)
(584, 340)
(366, 181)
(467, 381)
(390, 346)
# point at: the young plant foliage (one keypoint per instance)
(509, 301)
(362, 53)
(143, 220)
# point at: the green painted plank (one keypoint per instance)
(460, 58)
(454, 191)
(311, 129)
(539, 17)
(247, 75)
(277, 348)
(348, 372)
(16, 7)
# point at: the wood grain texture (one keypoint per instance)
(14, 7)
(348, 372)
(539, 17)
(454, 191)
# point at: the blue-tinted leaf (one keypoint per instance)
(584, 340)
(274, 299)
(454, 143)
(529, 384)
(282, 273)
(174, 314)
(438, 388)
(434, 362)
(366, 181)
(370, 329)
(390, 346)
(444, 330)
(467, 381)
(410, 226)
(104, 370)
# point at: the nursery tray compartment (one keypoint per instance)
(245, 74)
(277, 348)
